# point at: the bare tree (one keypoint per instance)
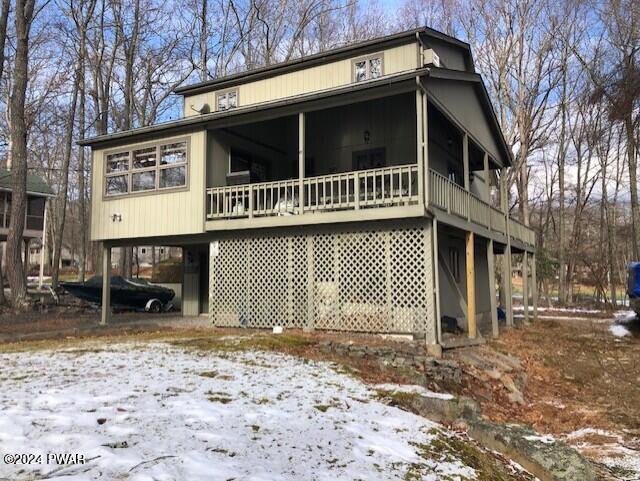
(24, 10)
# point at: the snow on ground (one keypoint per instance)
(413, 389)
(619, 330)
(173, 414)
(624, 316)
(610, 449)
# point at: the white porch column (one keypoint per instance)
(422, 136)
(492, 289)
(487, 189)
(301, 161)
(465, 160)
(106, 284)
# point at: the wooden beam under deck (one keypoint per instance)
(471, 286)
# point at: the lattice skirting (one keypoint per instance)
(376, 278)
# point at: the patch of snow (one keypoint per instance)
(580, 433)
(611, 450)
(187, 414)
(412, 389)
(560, 309)
(624, 316)
(546, 439)
(619, 330)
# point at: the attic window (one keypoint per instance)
(368, 68)
(227, 100)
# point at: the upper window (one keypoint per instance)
(367, 68)
(153, 167)
(227, 100)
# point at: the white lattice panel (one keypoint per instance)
(374, 279)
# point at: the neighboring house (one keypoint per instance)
(348, 190)
(143, 256)
(67, 258)
(37, 193)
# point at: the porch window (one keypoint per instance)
(152, 167)
(368, 68)
(227, 100)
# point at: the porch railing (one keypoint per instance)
(364, 189)
(452, 198)
(385, 187)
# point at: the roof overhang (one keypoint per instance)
(387, 85)
(359, 48)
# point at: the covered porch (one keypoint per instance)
(330, 165)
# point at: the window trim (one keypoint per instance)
(367, 59)
(225, 93)
(157, 169)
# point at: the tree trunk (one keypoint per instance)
(18, 133)
(64, 185)
(82, 258)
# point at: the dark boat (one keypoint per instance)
(125, 293)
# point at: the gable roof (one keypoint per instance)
(456, 98)
(35, 184)
(325, 57)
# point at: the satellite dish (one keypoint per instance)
(200, 107)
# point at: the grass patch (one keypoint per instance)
(401, 399)
(211, 374)
(220, 399)
(451, 449)
(323, 408)
(264, 342)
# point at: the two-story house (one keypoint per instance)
(37, 193)
(348, 190)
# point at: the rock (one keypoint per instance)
(516, 398)
(547, 459)
(447, 411)
(507, 381)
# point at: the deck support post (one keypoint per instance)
(506, 278)
(43, 245)
(301, 157)
(436, 281)
(495, 331)
(471, 287)
(310, 324)
(506, 265)
(106, 284)
(525, 286)
(534, 287)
